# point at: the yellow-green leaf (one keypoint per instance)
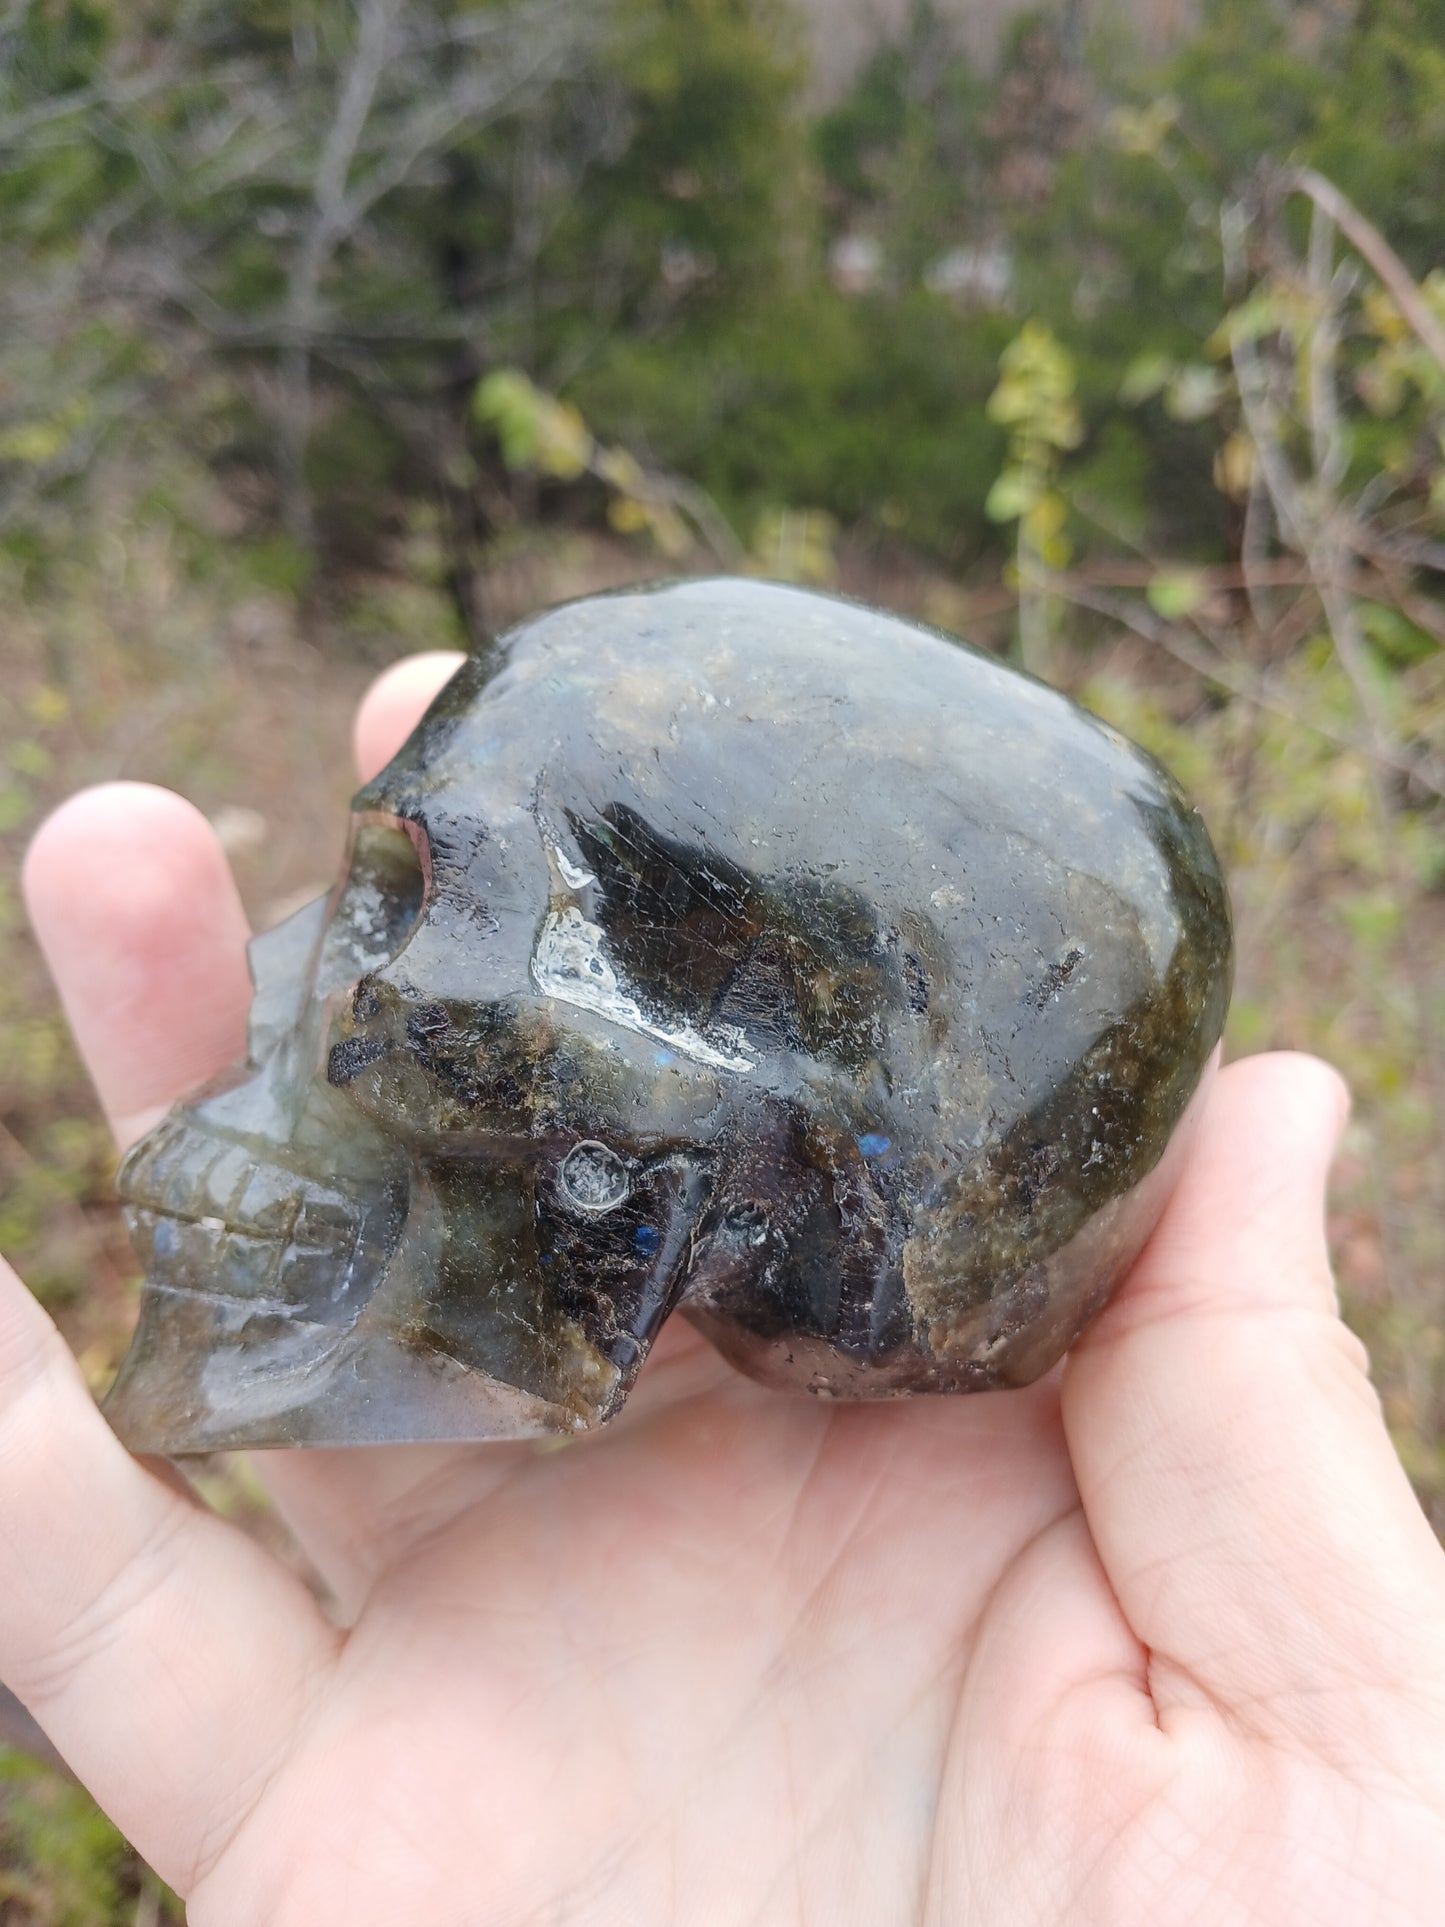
(1175, 593)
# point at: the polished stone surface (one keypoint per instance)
(719, 947)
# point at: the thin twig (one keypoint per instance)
(1142, 621)
(1368, 241)
(325, 228)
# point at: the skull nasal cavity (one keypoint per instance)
(593, 1177)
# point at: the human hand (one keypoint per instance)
(1161, 1638)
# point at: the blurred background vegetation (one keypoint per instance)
(1110, 335)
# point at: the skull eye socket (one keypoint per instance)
(378, 902)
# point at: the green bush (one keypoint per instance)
(633, 202)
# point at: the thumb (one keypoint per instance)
(1246, 1501)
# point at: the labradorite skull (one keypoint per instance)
(721, 948)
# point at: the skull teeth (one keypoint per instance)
(284, 1276)
(188, 1254)
(189, 1176)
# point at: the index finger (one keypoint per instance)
(135, 908)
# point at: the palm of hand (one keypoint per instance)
(754, 1660)
(1162, 1638)
(696, 1670)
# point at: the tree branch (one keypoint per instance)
(1368, 241)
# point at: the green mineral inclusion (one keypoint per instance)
(718, 947)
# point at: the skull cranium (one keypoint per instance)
(719, 946)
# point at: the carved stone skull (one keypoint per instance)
(719, 946)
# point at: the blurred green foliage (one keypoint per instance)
(62, 1863)
(1125, 255)
(299, 234)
